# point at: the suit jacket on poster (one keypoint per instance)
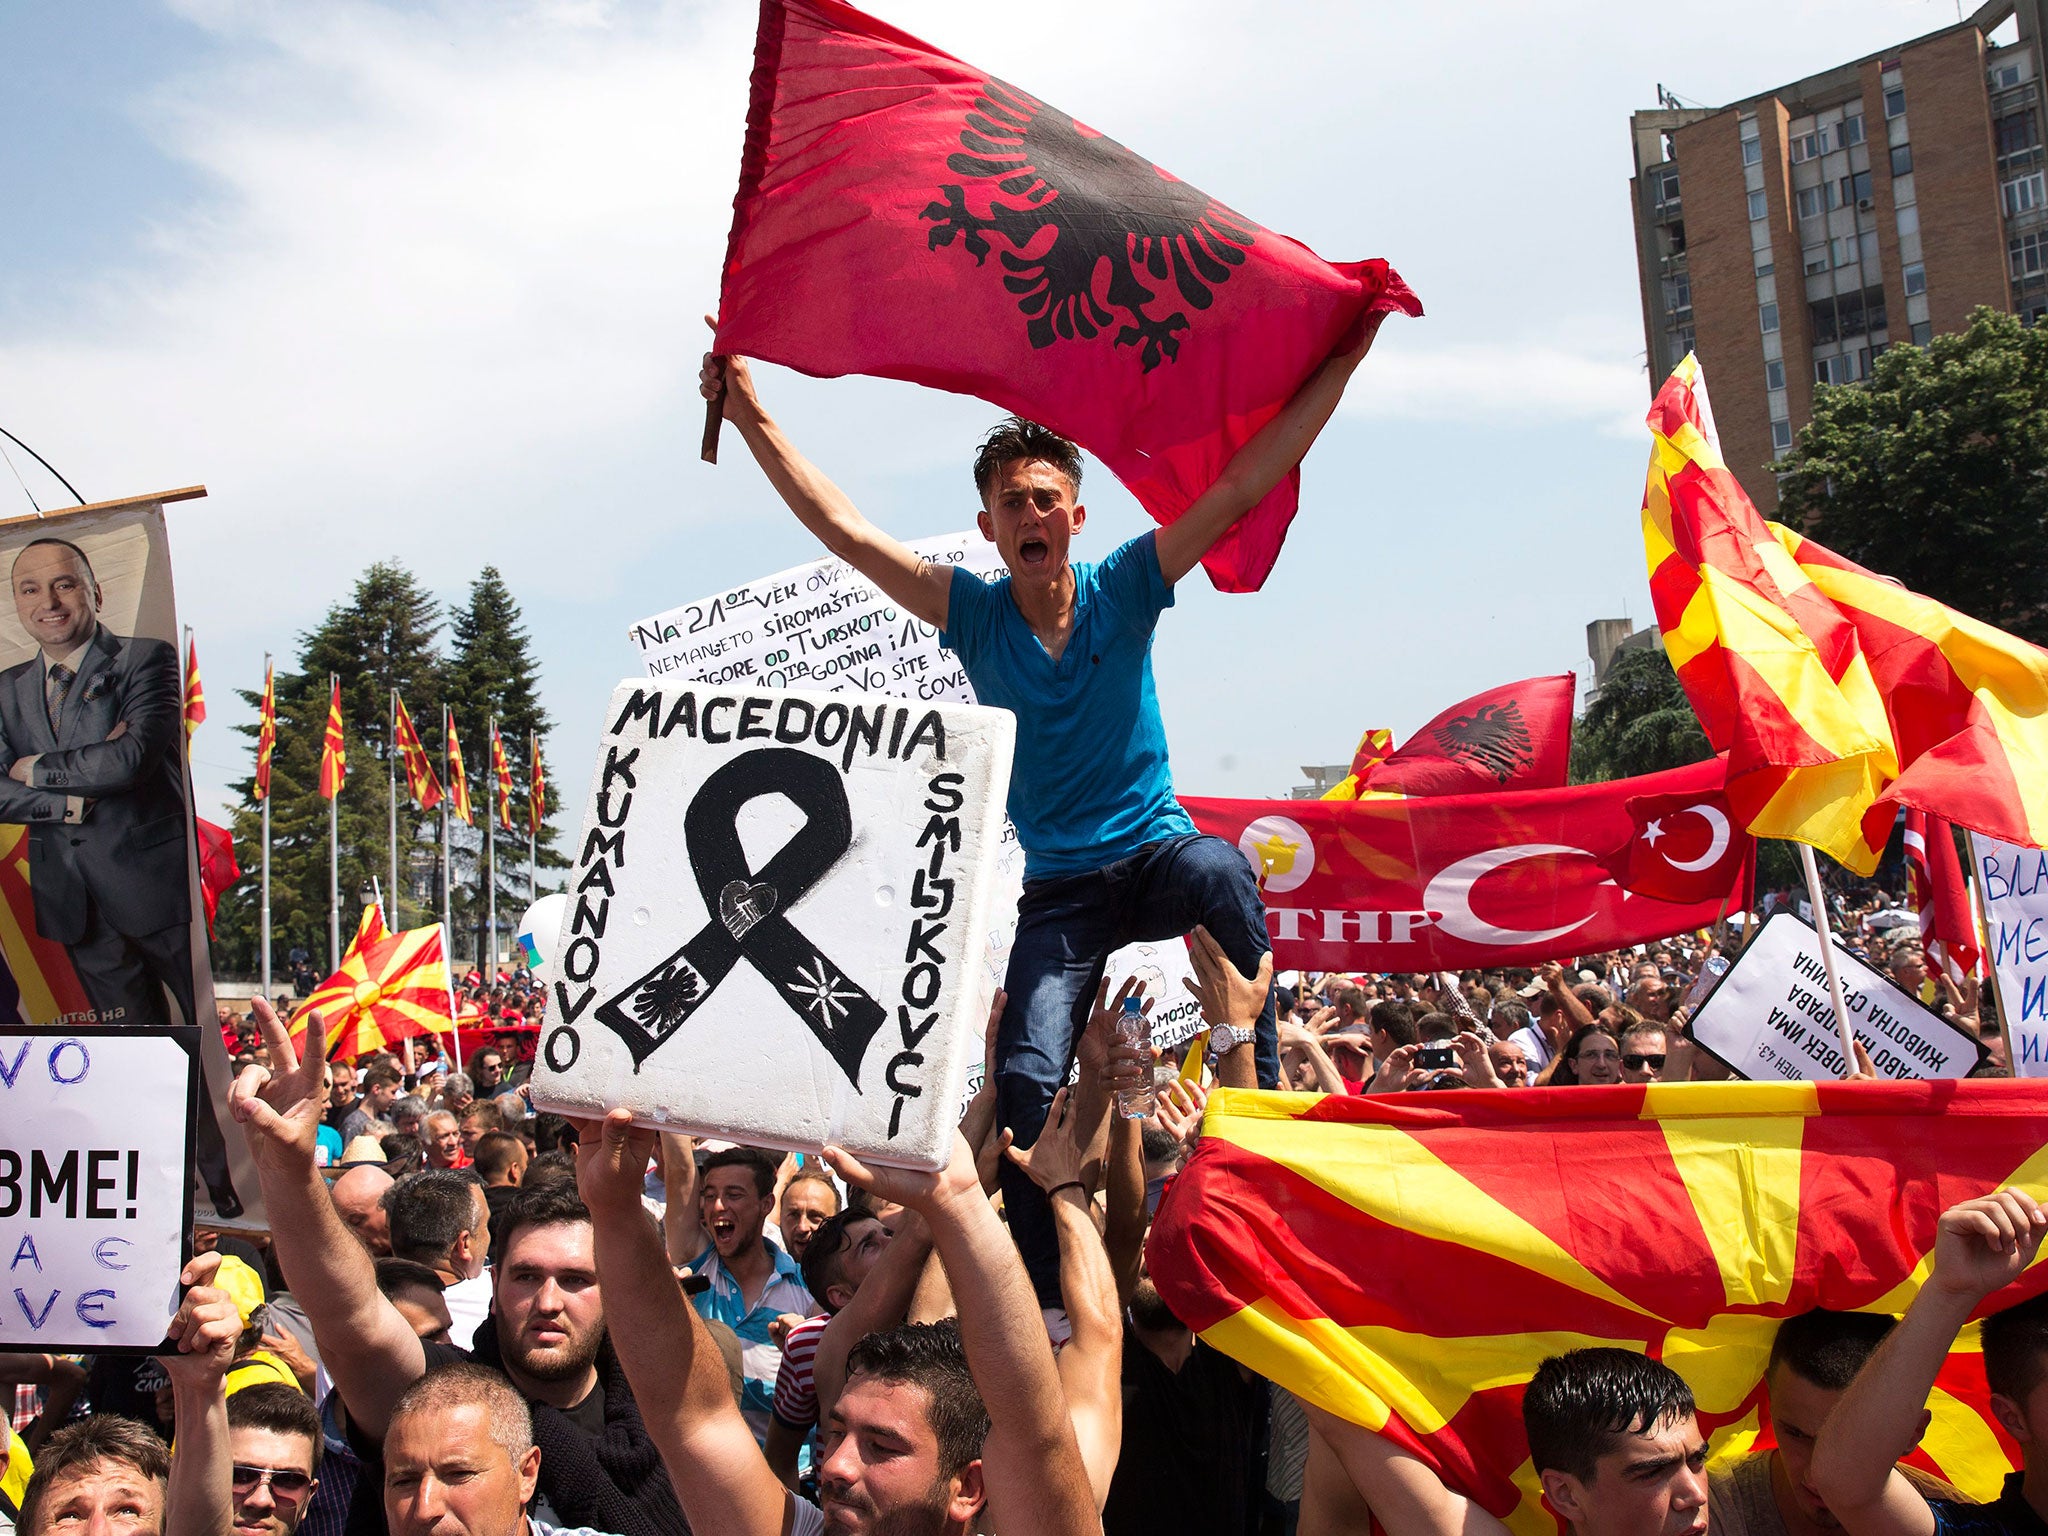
(128, 853)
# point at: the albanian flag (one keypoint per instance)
(903, 214)
(1435, 882)
(1405, 1262)
(1516, 736)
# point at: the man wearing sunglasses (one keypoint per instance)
(274, 1438)
(1644, 1051)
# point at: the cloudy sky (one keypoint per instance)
(424, 282)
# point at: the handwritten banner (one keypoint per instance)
(2014, 882)
(1770, 1019)
(95, 1184)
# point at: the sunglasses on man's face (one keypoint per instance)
(1635, 1061)
(285, 1483)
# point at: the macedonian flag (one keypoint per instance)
(390, 986)
(1405, 1262)
(1373, 747)
(1838, 694)
(419, 769)
(458, 776)
(266, 731)
(501, 772)
(333, 745)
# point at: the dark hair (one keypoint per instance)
(1397, 1019)
(1579, 1404)
(383, 1077)
(429, 1210)
(1643, 1027)
(82, 560)
(488, 1113)
(1509, 1017)
(87, 1442)
(394, 1275)
(403, 1154)
(1015, 438)
(1437, 1026)
(1828, 1348)
(496, 1152)
(280, 1409)
(1567, 1072)
(1596, 997)
(929, 1355)
(744, 1157)
(821, 1266)
(2016, 1348)
(553, 1205)
(551, 1133)
(1158, 1145)
(549, 1170)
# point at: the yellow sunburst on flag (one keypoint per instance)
(195, 690)
(458, 776)
(390, 986)
(501, 770)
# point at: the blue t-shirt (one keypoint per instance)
(2010, 1515)
(1090, 783)
(328, 1149)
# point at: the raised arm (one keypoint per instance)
(368, 1348)
(1404, 1493)
(882, 1301)
(1031, 1466)
(682, 1224)
(915, 584)
(200, 1501)
(1261, 463)
(677, 1375)
(1295, 1038)
(1979, 1246)
(1229, 997)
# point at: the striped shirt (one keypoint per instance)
(796, 1398)
(760, 1360)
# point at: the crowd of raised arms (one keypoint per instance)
(468, 1319)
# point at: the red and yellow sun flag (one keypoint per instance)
(458, 776)
(266, 732)
(1406, 1263)
(390, 986)
(195, 690)
(501, 771)
(1373, 747)
(333, 747)
(419, 768)
(536, 787)
(43, 973)
(1838, 694)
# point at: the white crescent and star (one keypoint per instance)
(1717, 844)
(1450, 895)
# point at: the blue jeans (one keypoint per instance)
(1066, 929)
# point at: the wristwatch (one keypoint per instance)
(1225, 1038)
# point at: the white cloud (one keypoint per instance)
(1508, 385)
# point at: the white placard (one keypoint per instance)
(95, 1182)
(822, 625)
(778, 917)
(1771, 1021)
(2014, 883)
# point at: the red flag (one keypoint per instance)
(1445, 882)
(1516, 736)
(1122, 308)
(1679, 850)
(1946, 932)
(333, 745)
(217, 867)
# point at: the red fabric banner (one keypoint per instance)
(217, 867)
(903, 214)
(1947, 934)
(1482, 880)
(1516, 736)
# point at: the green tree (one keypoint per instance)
(382, 637)
(1641, 722)
(1935, 471)
(491, 676)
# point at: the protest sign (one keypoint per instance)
(2014, 884)
(96, 1146)
(779, 909)
(101, 916)
(1770, 1019)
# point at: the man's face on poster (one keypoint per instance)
(55, 597)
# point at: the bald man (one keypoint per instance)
(359, 1200)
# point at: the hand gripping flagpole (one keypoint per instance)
(1827, 958)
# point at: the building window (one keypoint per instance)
(1664, 185)
(1764, 265)
(1678, 293)
(2024, 193)
(1867, 243)
(2029, 254)
(2017, 135)
(1855, 189)
(2004, 76)
(1812, 202)
(1774, 374)
(1923, 333)
(1852, 129)
(1757, 206)
(1752, 151)
(1895, 102)
(1916, 278)
(1767, 316)
(1816, 259)
(1846, 315)
(1902, 159)
(1846, 369)
(1781, 436)
(1909, 220)
(1843, 250)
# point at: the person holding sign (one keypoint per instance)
(1110, 856)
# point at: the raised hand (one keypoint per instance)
(1395, 1071)
(922, 1191)
(1986, 1243)
(1227, 996)
(1180, 1109)
(205, 1329)
(1478, 1065)
(1054, 1159)
(1118, 1066)
(727, 378)
(279, 1107)
(612, 1156)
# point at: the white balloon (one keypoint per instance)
(539, 932)
(1450, 895)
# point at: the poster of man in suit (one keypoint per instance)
(98, 885)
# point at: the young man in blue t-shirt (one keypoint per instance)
(1109, 856)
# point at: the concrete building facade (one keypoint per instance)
(1791, 237)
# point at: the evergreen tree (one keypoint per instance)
(382, 637)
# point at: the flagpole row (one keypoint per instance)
(1815, 895)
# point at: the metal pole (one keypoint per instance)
(263, 968)
(447, 906)
(334, 884)
(532, 824)
(1815, 895)
(391, 763)
(491, 842)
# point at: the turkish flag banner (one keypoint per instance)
(1517, 736)
(1446, 882)
(905, 215)
(1680, 844)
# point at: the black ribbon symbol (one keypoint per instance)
(747, 908)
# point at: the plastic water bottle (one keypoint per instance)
(1133, 1028)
